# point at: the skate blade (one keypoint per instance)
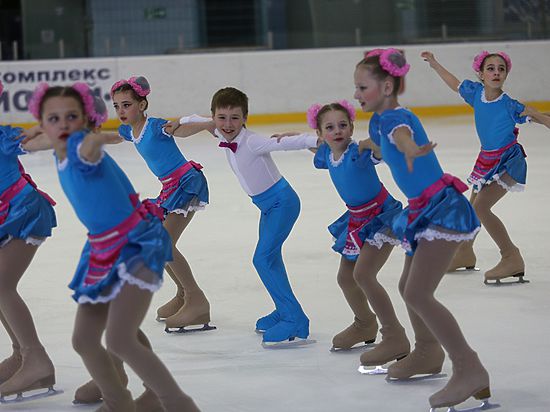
(79, 403)
(417, 378)
(378, 370)
(498, 282)
(19, 398)
(467, 269)
(190, 328)
(290, 343)
(364, 345)
(485, 406)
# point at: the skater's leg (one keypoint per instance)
(427, 356)
(36, 366)
(196, 309)
(11, 364)
(148, 401)
(364, 326)
(465, 256)
(89, 325)
(484, 202)
(355, 296)
(275, 226)
(430, 260)
(394, 341)
(176, 303)
(90, 392)
(126, 313)
(511, 262)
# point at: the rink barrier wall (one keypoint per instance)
(281, 84)
(285, 118)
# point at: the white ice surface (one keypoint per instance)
(227, 369)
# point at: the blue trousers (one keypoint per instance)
(280, 207)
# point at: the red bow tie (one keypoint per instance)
(230, 145)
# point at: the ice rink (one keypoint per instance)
(227, 370)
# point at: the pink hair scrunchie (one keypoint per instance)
(374, 52)
(36, 99)
(349, 107)
(314, 109)
(94, 107)
(139, 84)
(312, 113)
(390, 67)
(480, 58)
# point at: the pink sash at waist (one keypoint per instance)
(171, 182)
(416, 204)
(360, 216)
(106, 246)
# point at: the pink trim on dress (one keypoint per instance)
(360, 216)
(418, 203)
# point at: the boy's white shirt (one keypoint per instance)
(252, 162)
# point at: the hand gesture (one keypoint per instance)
(279, 136)
(29, 134)
(170, 127)
(420, 151)
(529, 111)
(428, 57)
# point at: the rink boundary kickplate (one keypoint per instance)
(19, 398)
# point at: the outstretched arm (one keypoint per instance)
(189, 126)
(536, 116)
(445, 75)
(90, 150)
(368, 144)
(279, 136)
(405, 143)
(34, 140)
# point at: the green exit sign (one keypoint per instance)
(153, 13)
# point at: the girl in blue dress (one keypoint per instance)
(26, 220)
(124, 256)
(437, 218)
(501, 159)
(184, 191)
(363, 234)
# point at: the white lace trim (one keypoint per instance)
(336, 163)
(23, 149)
(125, 277)
(184, 212)
(516, 187)
(374, 160)
(390, 134)
(484, 99)
(140, 137)
(6, 241)
(29, 241)
(478, 184)
(63, 164)
(34, 241)
(380, 239)
(87, 162)
(433, 234)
